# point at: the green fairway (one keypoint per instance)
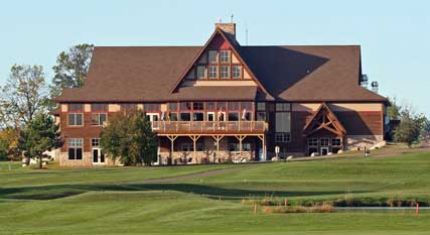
(206, 198)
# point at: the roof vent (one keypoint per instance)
(364, 80)
(375, 86)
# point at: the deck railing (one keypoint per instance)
(209, 126)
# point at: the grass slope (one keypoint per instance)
(204, 199)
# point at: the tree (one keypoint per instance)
(23, 96)
(409, 129)
(9, 138)
(71, 68)
(129, 138)
(145, 140)
(41, 134)
(393, 111)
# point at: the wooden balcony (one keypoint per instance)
(209, 127)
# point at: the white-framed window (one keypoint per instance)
(224, 56)
(336, 142)
(324, 141)
(213, 71)
(98, 119)
(283, 107)
(201, 72)
(213, 57)
(282, 137)
(95, 142)
(75, 119)
(313, 142)
(225, 71)
(75, 146)
(283, 122)
(236, 71)
(261, 106)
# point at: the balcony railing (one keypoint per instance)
(208, 127)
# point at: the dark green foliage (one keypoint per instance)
(71, 68)
(129, 138)
(410, 127)
(41, 134)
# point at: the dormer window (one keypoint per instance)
(213, 57)
(213, 71)
(236, 71)
(201, 72)
(224, 56)
(225, 71)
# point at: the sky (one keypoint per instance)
(394, 35)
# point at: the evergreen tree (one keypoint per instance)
(40, 134)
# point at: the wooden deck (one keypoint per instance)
(209, 127)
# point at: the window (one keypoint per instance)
(234, 105)
(210, 105)
(246, 116)
(95, 142)
(282, 106)
(261, 106)
(213, 71)
(99, 107)
(173, 106)
(233, 116)
(186, 147)
(173, 116)
(225, 71)
(98, 119)
(75, 119)
(75, 107)
(198, 106)
(247, 106)
(282, 137)
(261, 116)
(128, 107)
(283, 122)
(233, 146)
(324, 141)
(224, 56)
(151, 107)
(313, 142)
(336, 142)
(236, 71)
(185, 116)
(222, 105)
(213, 57)
(201, 72)
(185, 106)
(246, 146)
(75, 148)
(198, 116)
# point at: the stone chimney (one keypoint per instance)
(229, 28)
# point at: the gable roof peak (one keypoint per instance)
(228, 28)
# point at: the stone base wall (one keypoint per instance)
(354, 142)
(202, 157)
(87, 161)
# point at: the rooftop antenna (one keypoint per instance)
(246, 33)
(231, 18)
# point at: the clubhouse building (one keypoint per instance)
(224, 101)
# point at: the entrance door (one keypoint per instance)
(323, 151)
(211, 116)
(98, 156)
(154, 117)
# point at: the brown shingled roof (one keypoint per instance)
(290, 73)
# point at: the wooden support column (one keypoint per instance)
(240, 138)
(217, 139)
(172, 139)
(194, 138)
(263, 146)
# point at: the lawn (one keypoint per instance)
(207, 198)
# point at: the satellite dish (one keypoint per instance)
(375, 86)
(364, 80)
